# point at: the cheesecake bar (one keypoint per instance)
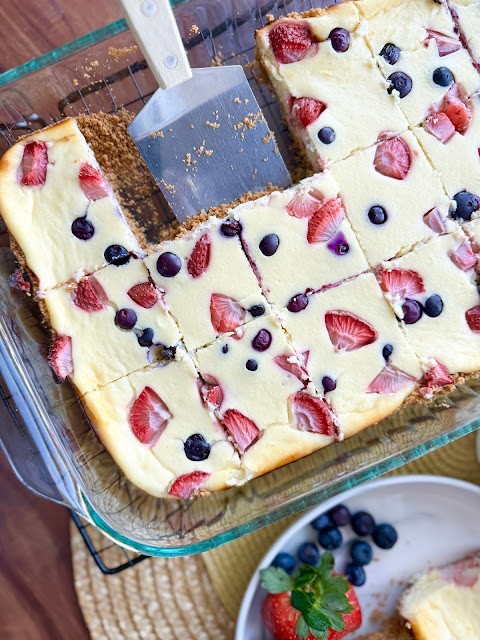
(209, 286)
(300, 239)
(433, 291)
(358, 356)
(158, 430)
(377, 187)
(113, 322)
(331, 91)
(53, 194)
(467, 15)
(442, 603)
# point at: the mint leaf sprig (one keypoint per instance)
(318, 595)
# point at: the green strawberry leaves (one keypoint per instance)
(318, 595)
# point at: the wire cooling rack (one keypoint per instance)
(214, 32)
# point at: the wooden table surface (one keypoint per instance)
(37, 598)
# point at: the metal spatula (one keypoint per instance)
(202, 133)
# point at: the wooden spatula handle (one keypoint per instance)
(153, 24)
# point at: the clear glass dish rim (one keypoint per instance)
(292, 508)
(68, 49)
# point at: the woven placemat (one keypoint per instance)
(198, 598)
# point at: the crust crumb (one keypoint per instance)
(123, 51)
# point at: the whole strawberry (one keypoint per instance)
(313, 603)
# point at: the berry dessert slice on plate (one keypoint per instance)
(400, 25)
(443, 603)
(467, 16)
(433, 291)
(358, 355)
(52, 194)
(155, 426)
(300, 239)
(110, 324)
(255, 383)
(329, 87)
(209, 285)
(378, 186)
(453, 132)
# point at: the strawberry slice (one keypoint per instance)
(226, 314)
(436, 376)
(148, 417)
(312, 414)
(17, 281)
(305, 203)
(472, 317)
(348, 332)
(34, 164)
(463, 573)
(92, 182)
(457, 112)
(324, 223)
(291, 41)
(306, 110)
(185, 486)
(390, 380)
(393, 158)
(445, 44)
(405, 283)
(440, 126)
(434, 220)
(89, 295)
(295, 366)
(60, 357)
(463, 256)
(200, 257)
(243, 430)
(145, 294)
(210, 391)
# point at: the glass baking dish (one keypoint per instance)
(48, 440)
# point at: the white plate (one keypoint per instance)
(437, 519)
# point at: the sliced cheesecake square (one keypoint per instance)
(357, 354)
(467, 16)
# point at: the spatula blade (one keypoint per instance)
(206, 142)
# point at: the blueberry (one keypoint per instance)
(145, 339)
(252, 365)
(384, 536)
(168, 264)
(467, 203)
(308, 554)
(390, 53)
(326, 135)
(377, 215)
(169, 353)
(362, 523)
(231, 228)
(297, 303)
(117, 255)
(340, 39)
(328, 384)
(433, 306)
(330, 538)
(284, 561)
(387, 351)
(262, 340)
(400, 82)
(82, 228)
(269, 244)
(340, 515)
(356, 574)
(196, 448)
(412, 311)
(125, 318)
(339, 244)
(256, 310)
(225, 348)
(321, 522)
(361, 552)
(443, 77)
